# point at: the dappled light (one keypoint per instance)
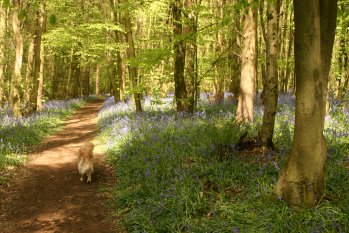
(174, 116)
(47, 195)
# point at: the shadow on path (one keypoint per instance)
(47, 195)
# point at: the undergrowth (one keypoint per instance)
(18, 135)
(182, 173)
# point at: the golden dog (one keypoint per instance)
(85, 164)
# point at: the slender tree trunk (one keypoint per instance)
(288, 56)
(179, 58)
(28, 83)
(97, 78)
(39, 28)
(76, 75)
(117, 78)
(56, 90)
(191, 70)
(16, 81)
(301, 181)
(219, 77)
(271, 84)
(234, 59)
(3, 29)
(343, 57)
(39, 101)
(70, 74)
(86, 82)
(248, 67)
(132, 69)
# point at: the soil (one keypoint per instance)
(46, 195)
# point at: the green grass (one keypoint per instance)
(180, 173)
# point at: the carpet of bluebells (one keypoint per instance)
(18, 135)
(181, 173)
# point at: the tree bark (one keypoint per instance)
(28, 83)
(117, 72)
(271, 84)
(15, 86)
(179, 58)
(191, 47)
(248, 67)
(40, 94)
(97, 78)
(3, 29)
(86, 82)
(301, 181)
(132, 68)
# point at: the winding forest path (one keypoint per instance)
(47, 195)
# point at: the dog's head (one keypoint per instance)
(86, 150)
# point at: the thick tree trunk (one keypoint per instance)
(3, 29)
(301, 181)
(132, 69)
(271, 84)
(16, 81)
(248, 67)
(179, 58)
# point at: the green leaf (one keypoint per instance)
(52, 19)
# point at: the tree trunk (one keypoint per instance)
(86, 82)
(39, 28)
(343, 57)
(248, 67)
(179, 58)
(70, 74)
(28, 83)
(288, 56)
(76, 77)
(301, 181)
(16, 81)
(219, 77)
(97, 78)
(234, 59)
(39, 101)
(3, 29)
(271, 84)
(191, 66)
(117, 75)
(132, 68)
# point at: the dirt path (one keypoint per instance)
(47, 195)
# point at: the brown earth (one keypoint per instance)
(47, 195)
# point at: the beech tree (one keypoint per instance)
(3, 29)
(179, 57)
(244, 111)
(270, 89)
(302, 179)
(15, 87)
(132, 68)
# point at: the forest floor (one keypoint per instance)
(46, 195)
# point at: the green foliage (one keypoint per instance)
(182, 173)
